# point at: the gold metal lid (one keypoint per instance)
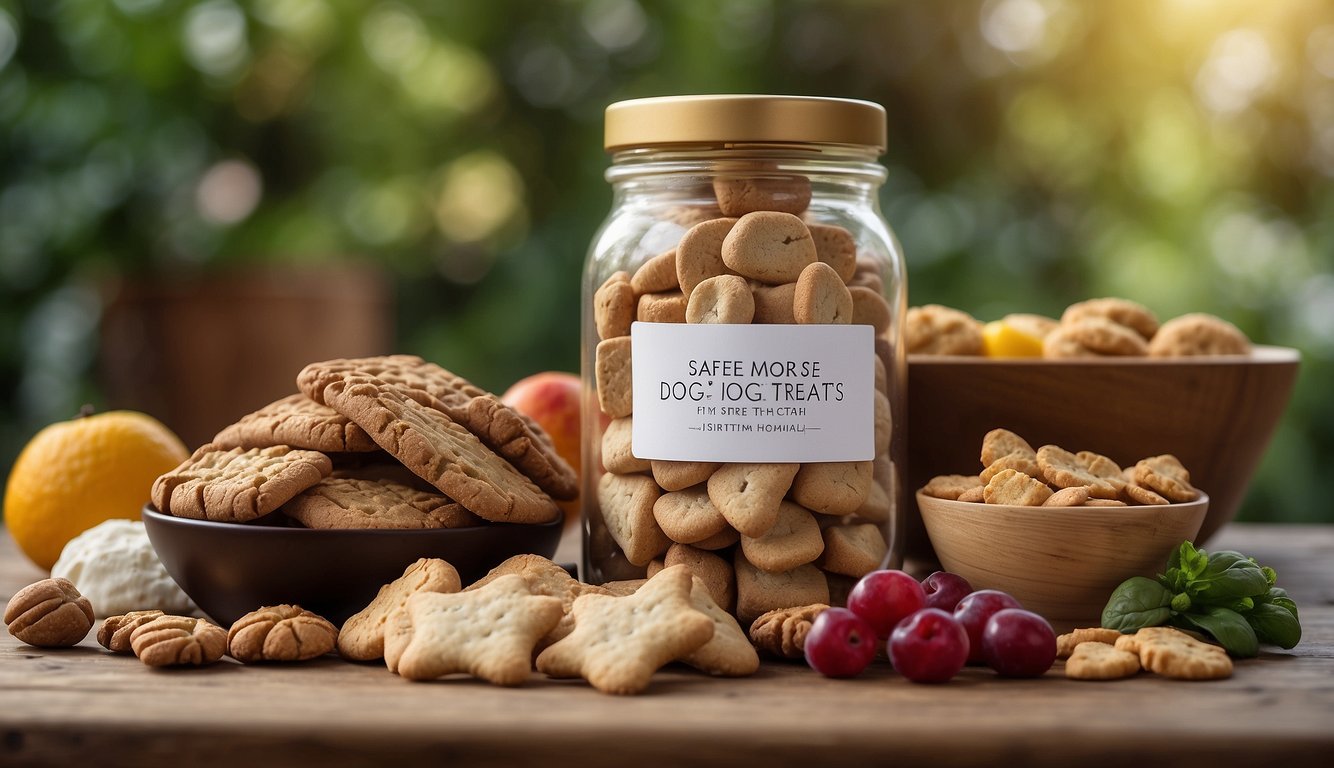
(744, 119)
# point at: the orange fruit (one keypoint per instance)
(1007, 338)
(75, 474)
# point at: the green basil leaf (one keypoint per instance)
(1274, 624)
(1229, 576)
(1188, 561)
(1180, 602)
(1138, 602)
(1271, 575)
(1227, 627)
(1278, 596)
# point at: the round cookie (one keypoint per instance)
(1093, 337)
(1066, 470)
(1198, 334)
(793, 540)
(769, 246)
(739, 195)
(1123, 312)
(614, 306)
(688, 516)
(938, 330)
(656, 275)
(699, 255)
(724, 299)
(821, 298)
(834, 246)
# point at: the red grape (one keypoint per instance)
(944, 590)
(929, 646)
(884, 598)
(1018, 643)
(840, 643)
(973, 612)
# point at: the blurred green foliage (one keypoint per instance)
(1177, 152)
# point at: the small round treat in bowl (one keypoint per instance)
(1062, 562)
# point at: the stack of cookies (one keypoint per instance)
(762, 536)
(380, 442)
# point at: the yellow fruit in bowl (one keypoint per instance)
(76, 474)
(1017, 335)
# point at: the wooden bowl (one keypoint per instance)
(230, 569)
(1062, 562)
(1215, 414)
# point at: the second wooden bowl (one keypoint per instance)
(1061, 562)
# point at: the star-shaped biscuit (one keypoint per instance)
(488, 633)
(619, 642)
(544, 578)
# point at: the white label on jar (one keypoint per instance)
(753, 393)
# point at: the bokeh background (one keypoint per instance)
(197, 197)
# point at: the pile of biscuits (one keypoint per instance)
(378, 442)
(762, 536)
(525, 612)
(1106, 327)
(1014, 473)
(1106, 654)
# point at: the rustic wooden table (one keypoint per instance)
(86, 706)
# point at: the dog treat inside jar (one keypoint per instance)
(743, 370)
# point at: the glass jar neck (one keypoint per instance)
(847, 171)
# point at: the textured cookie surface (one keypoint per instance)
(1198, 334)
(176, 641)
(239, 484)
(1096, 660)
(619, 642)
(1066, 643)
(489, 632)
(114, 634)
(1172, 653)
(349, 502)
(1130, 314)
(934, 329)
(298, 422)
(49, 614)
(362, 636)
(515, 437)
(782, 632)
(280, 633)
(729, 652)
(544, 578)
(440, 451)
(1166, 476)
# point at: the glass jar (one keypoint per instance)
(742, 361)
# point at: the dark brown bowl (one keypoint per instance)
(230, 570)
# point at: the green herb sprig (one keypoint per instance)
(1225, 595)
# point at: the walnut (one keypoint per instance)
(49, 614)
(281, 633)
(782, 632)
(114, 634)
(178, 640)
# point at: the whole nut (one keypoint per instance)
(281, 633)
(49, 614)
(169, 641)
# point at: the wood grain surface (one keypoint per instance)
(86, 706)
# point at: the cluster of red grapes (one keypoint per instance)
(933, 629)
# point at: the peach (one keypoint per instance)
(551, 398)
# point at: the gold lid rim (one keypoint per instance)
(711, 119)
